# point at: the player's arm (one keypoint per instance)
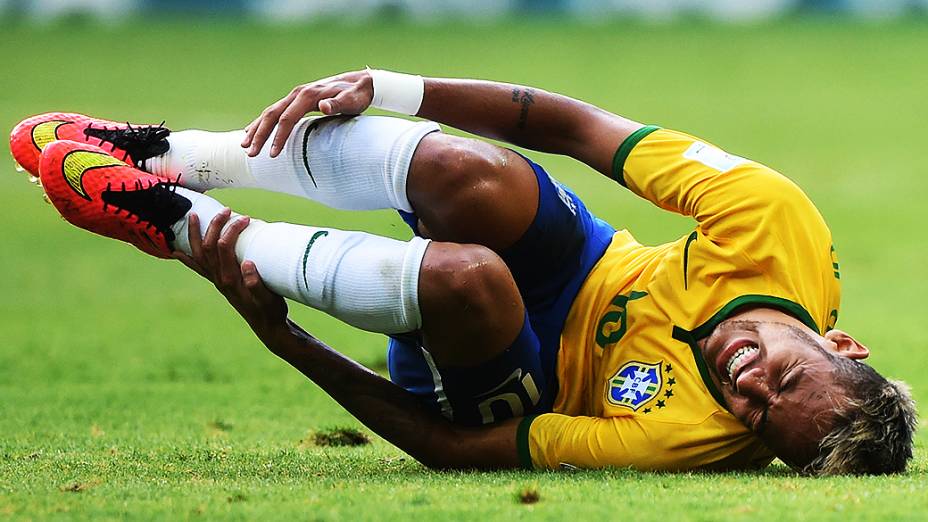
(551, 440)
(523, 116)
(388, 410)
(528, 117)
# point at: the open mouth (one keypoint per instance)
(735, 357)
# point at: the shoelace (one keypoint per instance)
(141, 142)
(155, 204)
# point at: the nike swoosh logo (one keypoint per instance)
(309, 129)
(46, 132)
(686, 258)
(317, 235)
(77, 163)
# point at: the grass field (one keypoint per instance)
(129, 389)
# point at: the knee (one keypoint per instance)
(458, 172)
(469, 282)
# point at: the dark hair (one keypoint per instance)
(873, 430)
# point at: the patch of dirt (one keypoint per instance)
(237, 497)
(336, 437)
(529, 496)
(219, 425)
(78, 486)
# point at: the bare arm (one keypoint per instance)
(388, 410)
(527, 117)
(392, 412)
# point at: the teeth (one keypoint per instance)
(740, 355)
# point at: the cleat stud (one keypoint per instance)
(18, 167)
(46, 199)
(34, 180)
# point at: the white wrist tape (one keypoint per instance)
(397, 92)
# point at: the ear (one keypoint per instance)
(845, 345)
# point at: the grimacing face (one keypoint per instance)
(777, 379)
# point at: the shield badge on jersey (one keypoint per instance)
(635, 384)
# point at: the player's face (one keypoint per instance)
(779, 381)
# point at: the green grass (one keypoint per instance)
(128, 388)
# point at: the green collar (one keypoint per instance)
(691, 337)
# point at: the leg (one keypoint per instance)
(351, 163)
(548, 241)
(469, 191)
(477, 360)
(368, 281)
(471, 307)
(461, 296)
(479, 349)
(466, 191)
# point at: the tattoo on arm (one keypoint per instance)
(525, 98)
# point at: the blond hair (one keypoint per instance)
(874, 430)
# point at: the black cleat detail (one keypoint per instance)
(142, 142)
(159, 205)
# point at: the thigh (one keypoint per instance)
(539, 227)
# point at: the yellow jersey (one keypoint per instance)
(634, 388)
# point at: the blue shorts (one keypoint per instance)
(549, 263)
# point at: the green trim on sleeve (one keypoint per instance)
(618, 161)
(525, 455)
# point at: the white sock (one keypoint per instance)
(358, 163)
(368, 281)
(204, 160)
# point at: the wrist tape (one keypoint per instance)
(397, 92)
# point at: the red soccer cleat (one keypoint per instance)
(104, 195)
(131, 143)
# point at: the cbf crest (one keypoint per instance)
(635, 384)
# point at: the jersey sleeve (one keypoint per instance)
(552, 441)
(729, 196)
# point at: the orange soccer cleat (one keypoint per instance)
(130, 143)
(104, 195)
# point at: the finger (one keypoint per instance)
(303, 103)
(255, 285)
(194, 237)
(230, 274)
(262, 131)
(188, 262)
(210, 261)
(345, 102)
(267, 121)
(250, 132)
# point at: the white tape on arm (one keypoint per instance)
(397, 92)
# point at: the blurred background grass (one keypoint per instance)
(121, 371)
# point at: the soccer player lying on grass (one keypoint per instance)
(523, 330)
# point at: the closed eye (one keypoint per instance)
(791, 379)
(762, 425)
